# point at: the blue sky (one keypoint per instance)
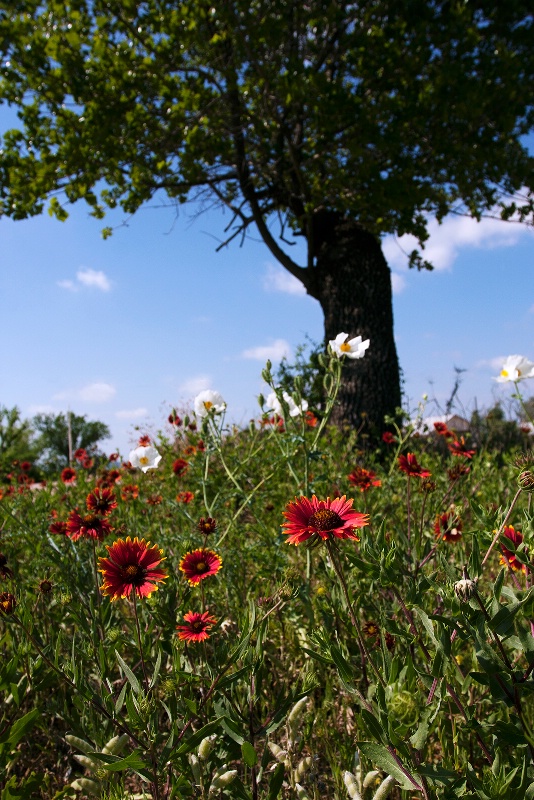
(122, 330)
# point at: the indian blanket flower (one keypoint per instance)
(174, 419)
(448, 526)
(442, 430)
(101, 500)
(209, 402)
(144, 458)
(207, 525)
(130, 491)
(322, 519)
(352, 348)
(196, 626)
(515, 368)
(409, 464)
(295, 410)
(131, 566)
(363, 479)
(388, 437)
(58, 527)
(180, 466)
(185, 497)
(459, 448)
(200, 564)
(68, 475)
(144, 441)
(87, 526)
(80, 454)
(8, 602)
(509, 558)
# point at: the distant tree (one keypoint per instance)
(331, 121)
(52, 441)
(15, 440)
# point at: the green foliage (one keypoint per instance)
(15, 439)
(54, 432)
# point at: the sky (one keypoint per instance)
(124, 329)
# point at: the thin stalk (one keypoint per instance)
(507, 517)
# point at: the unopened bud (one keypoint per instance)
(261, 400)
(351, 786)
(465, 589)
(371, 778)
(277, 751)
(86, 785)
(303, 767)
(296, 713)
(385, 788)
(525, 480)
(206, 745)
(115, 745)
(301, 792)
(221, 781)
(195, 767)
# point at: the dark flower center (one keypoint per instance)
(45, 586)
(325, 520)
(198, 625)
(201, 566)
(134, 573)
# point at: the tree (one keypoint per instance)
(335, 122)
(15, 439)
(54, 434)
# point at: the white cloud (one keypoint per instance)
(195, 384)
(92, 278)
(41, 409)
(447, 239)
(275, 351)
(398, 283)
(135, 413)
(278, 279)
(95, 278)
(92, 393)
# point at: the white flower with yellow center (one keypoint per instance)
(144, 458)
(352, 348)
(516, 368)
(209, 402)
(275, 405)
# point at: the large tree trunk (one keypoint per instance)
(352, 282)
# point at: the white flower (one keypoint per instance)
(294, 410)
(144, 458)
(516, 368)
(209, 401)
(352, 348)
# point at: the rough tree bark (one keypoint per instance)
(352, 282)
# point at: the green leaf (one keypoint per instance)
(382, 758)
(194, 740)
(20, 728)
(132, 680)
(250, 757)
(276, 782)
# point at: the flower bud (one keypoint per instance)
(351, 786)
(301, 792)
(525, 480)
(277, 751)
(296, 713)
(371, 778)
(86, 785)
(385, 788)
(303, 767)
(206, 745)
(465, 589)
(221, 781)
(115, 745)
(261, 400)
(195, 767)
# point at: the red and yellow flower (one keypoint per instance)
(101, 501)
(196, 626)
(68, 475)
(448, 526)
(200, 564)
(363, 479)
(87, 526)
(408, 463)
(322, 519)
(131, 566)
(509, 558)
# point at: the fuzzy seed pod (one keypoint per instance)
(301, 792)
(303, 767)
(370, 778)
(115, 745)
(195, 767)
(79, 744)
(221, 781)
(296, 713)
(86, 785)
(86, 761)
(277, 751)
(385, 788)
(351, 786)
(205, 746)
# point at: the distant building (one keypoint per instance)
(453, 421)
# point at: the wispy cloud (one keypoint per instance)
(92, 393)
(91, 278)
(134, 413)
(41, 409)
(278, 279)
(398, 283)
(195, 384)
(275, 352)
(447, 239)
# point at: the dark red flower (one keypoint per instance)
(8, 603)
(154, 499)
(174, 419)
(185, 497)
(310, 419)
(190, 450)
(131, 566)
(508, 557)
(89, 526)
(130, 491)
(192, 426)
(87, 463)
(144, 441)
(371, 629)
(458, 471)
(442, 429)
(25, 466)
(80, 454)
(5, 571)
(68, 475)
(114, 457)
(388, 437)
(102, 501)
(448, 526)
(322, 519)
(409, 464)
(180, 466)
(200, 445)
(363, 479)
(200, 564)
(459, 448)
(207, 525)
(196, 627)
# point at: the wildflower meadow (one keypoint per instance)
(288, 610)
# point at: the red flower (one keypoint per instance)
(310, 419)
(68, 475)
(388, 437)
(207, 525)
(90, 526)
(322, 519)
(363, 478)
(200, 564)
(448, 526)
(410, 466)
(196, 627)
(201, 446)
(87, 463)
(25, 466)
(144, 441)
(131, 566)
(508, 558)
(180, 466)
(190, 450)
(5, 571)
(7, 603)
(459, 448)
(442, 429)
(102, 501)
(130, 491)
(80, 454)
(185, 497)
(154, 499)
(59, 528)
(114, 457)
(174, 419)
